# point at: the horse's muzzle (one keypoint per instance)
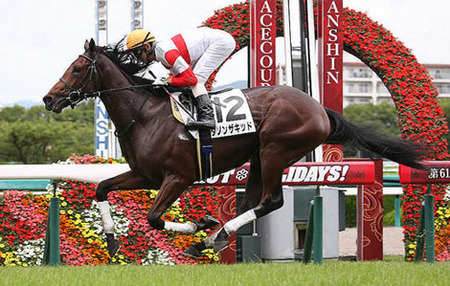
(55, 104)
(48, 102)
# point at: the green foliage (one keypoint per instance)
(37, 136)
(388, 211)
(383, 116)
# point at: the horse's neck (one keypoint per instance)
(122, 106)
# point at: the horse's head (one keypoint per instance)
(78, 80)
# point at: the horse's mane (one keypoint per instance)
(126, 61)
(130, 65)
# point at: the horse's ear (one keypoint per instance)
(92, 45)
(89, 46)
(86, 46)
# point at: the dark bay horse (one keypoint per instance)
(162, 154)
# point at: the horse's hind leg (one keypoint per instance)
(274, 158)
(271, 199)
(253, 187)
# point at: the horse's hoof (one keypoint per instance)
(112, 245)
(113, 248)
(220, 245)
(207, 222)
(191, 251)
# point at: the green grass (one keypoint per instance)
(392, 271)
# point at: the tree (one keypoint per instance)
(38, 136)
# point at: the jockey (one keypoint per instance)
(191, 57)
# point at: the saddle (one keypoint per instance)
(185, 97)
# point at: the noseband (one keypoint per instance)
(77, 94)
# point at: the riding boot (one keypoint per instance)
(205, 114)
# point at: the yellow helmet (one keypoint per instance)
(138, 38)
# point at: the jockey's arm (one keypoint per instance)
(182, 72)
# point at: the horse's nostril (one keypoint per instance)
(47, 99)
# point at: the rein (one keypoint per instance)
(77, 95)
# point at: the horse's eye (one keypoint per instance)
(76, 69)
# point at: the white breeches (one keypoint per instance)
(213, 57)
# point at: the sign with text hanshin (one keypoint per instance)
(262, 42)
(331, 64)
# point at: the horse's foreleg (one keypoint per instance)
(125, 181)
(171, 189)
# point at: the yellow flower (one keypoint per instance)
(70, 211)
(64, 204)
(2, 245)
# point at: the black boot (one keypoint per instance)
(205, 114)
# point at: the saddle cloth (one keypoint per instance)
(231, 112)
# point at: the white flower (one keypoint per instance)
(157, 256)
(31, 252)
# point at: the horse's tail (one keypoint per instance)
(367, 138)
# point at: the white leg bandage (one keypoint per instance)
(233, 225)
(105, 212)
(181, 227)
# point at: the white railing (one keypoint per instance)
(92, 173)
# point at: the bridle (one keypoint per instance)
(76, 94)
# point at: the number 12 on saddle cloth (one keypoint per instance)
(231, 112)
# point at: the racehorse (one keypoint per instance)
(162, 154)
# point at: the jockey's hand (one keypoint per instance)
(160, 81)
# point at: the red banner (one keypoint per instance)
(370, 217)
(262, 42)
(331, 65)
(303, 173)
(437, 172)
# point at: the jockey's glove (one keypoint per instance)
(160, 81)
